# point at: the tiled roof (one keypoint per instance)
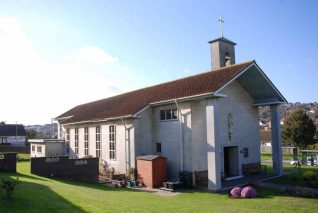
(12, 130)
(130, 103)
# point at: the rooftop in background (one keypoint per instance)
(11, 130)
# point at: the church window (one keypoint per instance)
(98, 143)
(158, 147)
(86, 141)
(67, 140)
(112, 142)
(76, 141)
(168, 114)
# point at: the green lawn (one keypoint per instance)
(268, 156)
(38, 194)
(24, 156)
(295, 177)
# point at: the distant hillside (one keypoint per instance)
(311, 110)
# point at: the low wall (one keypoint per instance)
(285, 150)
(84, 169)
(8, 162)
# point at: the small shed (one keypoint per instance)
(47, 147)
(152, 170)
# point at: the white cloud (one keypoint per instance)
(94, 55)
(34, 90)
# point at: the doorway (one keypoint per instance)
(231, 161)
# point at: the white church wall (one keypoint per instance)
(119, 163)
(199, 140)
(186, 112)
(245, 122)
(143, 134)
(168, 134)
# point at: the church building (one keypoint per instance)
(203, 123)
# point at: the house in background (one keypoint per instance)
(206, 123)
(47, 148)
(13, 134)
(266, 137)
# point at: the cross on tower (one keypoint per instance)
(221, 26)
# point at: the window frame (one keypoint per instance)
(171, 112)
(67, 140)
(76, 141)
(39, 149)
(158, 145)
(112, 142)
(86, 139)
(98, 141)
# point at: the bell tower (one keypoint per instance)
(222, 50)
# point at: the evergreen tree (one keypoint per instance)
(298, 130)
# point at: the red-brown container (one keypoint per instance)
(152, 170)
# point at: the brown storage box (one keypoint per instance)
(152, 170)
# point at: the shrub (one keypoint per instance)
(8, 186)
(302, 192)
(248, 192)
(309, 176)
(236, 192)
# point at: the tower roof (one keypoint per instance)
(222, 39)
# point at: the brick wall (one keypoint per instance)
(85, 169)
(8, 162)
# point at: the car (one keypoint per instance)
(311, 161)
(296, 162)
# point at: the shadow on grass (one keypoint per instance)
(21, 175)
(32, 197)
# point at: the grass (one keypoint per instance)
(38, 194)
(24, 156)
(268, 156)
(293, 176)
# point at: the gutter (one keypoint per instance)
(181, 134)
(101, 120)
(126, 161)
(193, 97)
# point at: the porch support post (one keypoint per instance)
(276, 140)
(213, 153)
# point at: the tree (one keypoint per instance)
(31, 133)
(298, 130)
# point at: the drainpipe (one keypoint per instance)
(181, 134)
(127, 163)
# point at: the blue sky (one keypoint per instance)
(58, 54)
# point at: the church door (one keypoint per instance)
(231, 161)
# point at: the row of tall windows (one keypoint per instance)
(112, 141)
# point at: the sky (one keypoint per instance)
(55, 55)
